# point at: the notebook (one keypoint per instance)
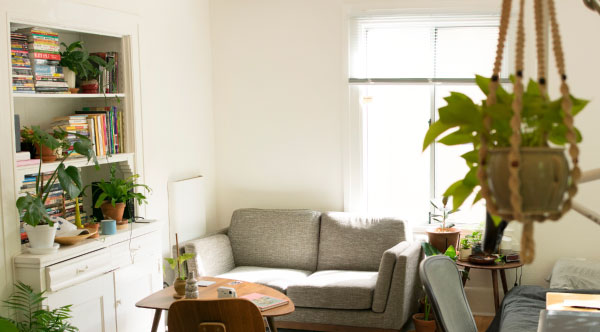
(264, 302)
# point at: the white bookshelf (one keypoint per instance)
(68, 95)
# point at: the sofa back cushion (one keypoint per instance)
(275, 238)
(351, 242)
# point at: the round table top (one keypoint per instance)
(164, 298)
(495, 266)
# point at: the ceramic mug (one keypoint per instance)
(108, 227)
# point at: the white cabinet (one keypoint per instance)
(101, 278)
(92, 304)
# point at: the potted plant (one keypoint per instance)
(542, 127)
(76, 61)
(38, 225)
(92, 225)
(45, 149)
(176, 264)
(32, 315)
(424, 322)
(115, 193)
(465, 249)
(446, 235)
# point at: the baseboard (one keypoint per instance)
(327, 327)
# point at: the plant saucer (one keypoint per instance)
(43, 251)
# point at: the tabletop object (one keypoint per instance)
(561, 321)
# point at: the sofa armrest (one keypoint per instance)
(214, 255)
(384, 276)
(404, 285)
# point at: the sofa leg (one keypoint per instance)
(328, 327)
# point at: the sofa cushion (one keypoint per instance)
(350, 242)
(278, 279)
(335, 290)
(275, 238)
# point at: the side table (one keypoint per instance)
(494, 268)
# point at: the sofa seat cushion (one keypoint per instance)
(335, 289)
(278, 279)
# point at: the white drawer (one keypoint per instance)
(140, 248)
(79, 269)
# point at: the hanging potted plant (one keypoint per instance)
(446, 235)
(115, 193)
(38, 225)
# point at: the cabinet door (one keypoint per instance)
(93, 304)
(133, 283)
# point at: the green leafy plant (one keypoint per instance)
(541, 125)
(118, 190)
(465, 243)
(176, 264)
(69, 177)
(445, 213)
(76, 58)
(32, 315)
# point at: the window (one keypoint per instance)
(401, 69)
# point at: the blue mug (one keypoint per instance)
(108, 227)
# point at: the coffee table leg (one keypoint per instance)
(157, 314)
(465, 275)
(271, 322)
(495, 285)
(504, 284)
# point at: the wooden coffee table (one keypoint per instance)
(494, 268)
(163, 299)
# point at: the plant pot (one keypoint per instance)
(441, 240)
(41, 236)
(423, 325)
(70, 77)
(422, 309)
(463, 254)
(544, 175)
(48, 155)
(93, 227)
(89, 86)
(179, 286)
(113, 212)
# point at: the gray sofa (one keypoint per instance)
(337, 268)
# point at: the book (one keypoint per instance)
(24, 155)
(264, 302)
(29, 162)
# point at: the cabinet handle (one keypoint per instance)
(117, 303)
(82, 269)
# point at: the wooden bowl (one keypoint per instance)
(482, 259)
(70, 240)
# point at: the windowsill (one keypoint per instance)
(465, 229)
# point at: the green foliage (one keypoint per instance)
(430, 250)
(32, 316)
(118, 190)
(69, 178)
(541, 125)
(84, 65)
(445, 212)
(465, 243)
(175, 263)
(470, 240)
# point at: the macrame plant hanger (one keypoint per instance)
(514, 156)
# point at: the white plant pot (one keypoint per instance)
(463, 254)
(70, 77)
(41, 236)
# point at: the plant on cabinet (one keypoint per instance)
(446, 235)
(40, 228)
(116, 192)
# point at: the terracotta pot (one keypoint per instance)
(113, 212)
(544, 175)
(89, 86)
(422, 309)
(179, 286)
(423, 325)
(93, 227)
(48, 154)
(442, 240)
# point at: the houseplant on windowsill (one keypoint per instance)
(115, 193)
(446, 235)
(38, 225)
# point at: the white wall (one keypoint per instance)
(176, 90)
(277, 98)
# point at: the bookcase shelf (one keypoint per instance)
(68, 96)
(77, 162)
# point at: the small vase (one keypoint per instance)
(463, 255)
(113, 212)
(191, 287)
(89, 86)
(93, 227)
(179, 286)
(41, 236)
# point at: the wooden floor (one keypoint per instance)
(483, 322)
